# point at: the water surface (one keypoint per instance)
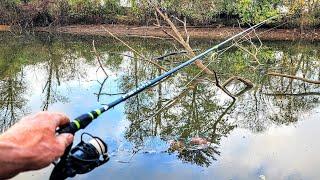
(270, 131)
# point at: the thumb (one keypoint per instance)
(65, 139)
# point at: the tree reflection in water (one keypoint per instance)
(12, 85)
(12, 102)
(197, 110)
(170, 111)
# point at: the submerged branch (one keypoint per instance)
(294, 77)
(292, 94)
(222, 87)
(247, 82)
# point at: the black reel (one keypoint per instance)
(81, 159)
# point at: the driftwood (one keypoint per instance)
(294, 77)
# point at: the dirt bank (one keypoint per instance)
(208, 33)
(4, 28)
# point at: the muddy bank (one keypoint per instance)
(207, 33)
(4, 28)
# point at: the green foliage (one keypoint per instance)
(254, 11)
(97, 10)
(197, 12)
(201, 12)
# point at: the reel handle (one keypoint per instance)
(78, 123)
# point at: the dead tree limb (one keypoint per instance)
(248, 38)
(293, 94)
(294, 77)
(222, 87)
(247, 82)
(179, 38)
(185, 43)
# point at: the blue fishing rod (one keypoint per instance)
(87, 155)
(84, 120)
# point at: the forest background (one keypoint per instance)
(202, 13)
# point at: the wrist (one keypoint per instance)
(12, 159)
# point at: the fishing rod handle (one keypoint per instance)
(80, 122)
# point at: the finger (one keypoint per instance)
(60, 119)
(64, 140)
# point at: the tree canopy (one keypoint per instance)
(201, 12)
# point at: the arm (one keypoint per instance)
(32, 144)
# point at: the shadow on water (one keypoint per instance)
(47, 72)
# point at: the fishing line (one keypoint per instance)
(84, 120)
(220, 53)
(196, 76)
(86, 156)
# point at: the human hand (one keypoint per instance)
(32, 143)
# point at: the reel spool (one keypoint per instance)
(82, 158)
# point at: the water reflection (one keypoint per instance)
(12, 87)
(12, 101)
(173, 112)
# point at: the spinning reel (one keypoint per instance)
(81, 159)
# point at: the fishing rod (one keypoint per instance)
(87, 155)
(84, 120)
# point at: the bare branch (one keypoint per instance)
(247, 82)
(178, 37)
(172, 36)
(294, 77)
(292, 94)
(173, 27)
(217, 83)
(157, 19)
(101, 87)
(99, 58)
(186, 30)
(249, 52)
